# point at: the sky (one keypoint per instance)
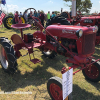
(45, 5)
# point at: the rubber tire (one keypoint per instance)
(57, 19)
(97, 64)
(64, 14)
(15, 22)
(57, 81)
(12, 63)
(5, 21)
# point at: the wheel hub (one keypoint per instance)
(56, 91)
(3, 57)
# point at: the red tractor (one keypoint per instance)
(75, 42)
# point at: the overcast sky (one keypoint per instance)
(45, 5)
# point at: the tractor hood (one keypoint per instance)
(91, 17)
(69, 31)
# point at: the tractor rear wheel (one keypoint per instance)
(93, 74)
(8, 22)
(7, 56)
(64, 14)
(56, 20)
(22, 18)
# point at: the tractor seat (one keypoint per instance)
(16, 39)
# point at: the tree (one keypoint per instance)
(10, 14)
(81, 5)
(56, 12)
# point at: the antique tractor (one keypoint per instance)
(75, 42)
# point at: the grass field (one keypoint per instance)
(32, 78)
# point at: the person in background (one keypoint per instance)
(48, 15)
(53, 15)
(25, 16)
(30, 15)
(16, 16)
(35, 14)
(21, 14)
(38, 14)
(42, 17)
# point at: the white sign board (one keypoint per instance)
(67, 83)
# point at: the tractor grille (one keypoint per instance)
(88, 43)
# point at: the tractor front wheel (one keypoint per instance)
(54, 87)
(93, 73)
(7, 56)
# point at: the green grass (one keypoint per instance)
(33, 77)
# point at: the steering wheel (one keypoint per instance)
(28, 10)
(31, 21)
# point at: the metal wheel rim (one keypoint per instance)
(94, 72)
(47, 52)
(9, 22)
(56, 91)
(23, 21)
(3, 59)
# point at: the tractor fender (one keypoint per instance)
(39, 35)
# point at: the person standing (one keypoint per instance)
(53, 14)
(42, 17)
(25, 16)
(16, 16)
(48, 15)
(21, 14)
(35, 14)
(38, 14)
(30, 15)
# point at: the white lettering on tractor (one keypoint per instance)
(66, 31)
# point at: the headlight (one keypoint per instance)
(79, 33)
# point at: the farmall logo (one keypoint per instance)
(66, 31)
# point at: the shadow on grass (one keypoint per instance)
(39, 75)
(81, 94)
(95, 84)
(2, 32)
(97, 52)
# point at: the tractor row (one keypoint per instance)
(65, 19)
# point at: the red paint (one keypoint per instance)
(85, 45)
(92, 72)
(56, 91)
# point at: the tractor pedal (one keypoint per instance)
(35, 61)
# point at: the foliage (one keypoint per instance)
(82, 5)
(10, 14)
(56, 12)
(41, 11)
